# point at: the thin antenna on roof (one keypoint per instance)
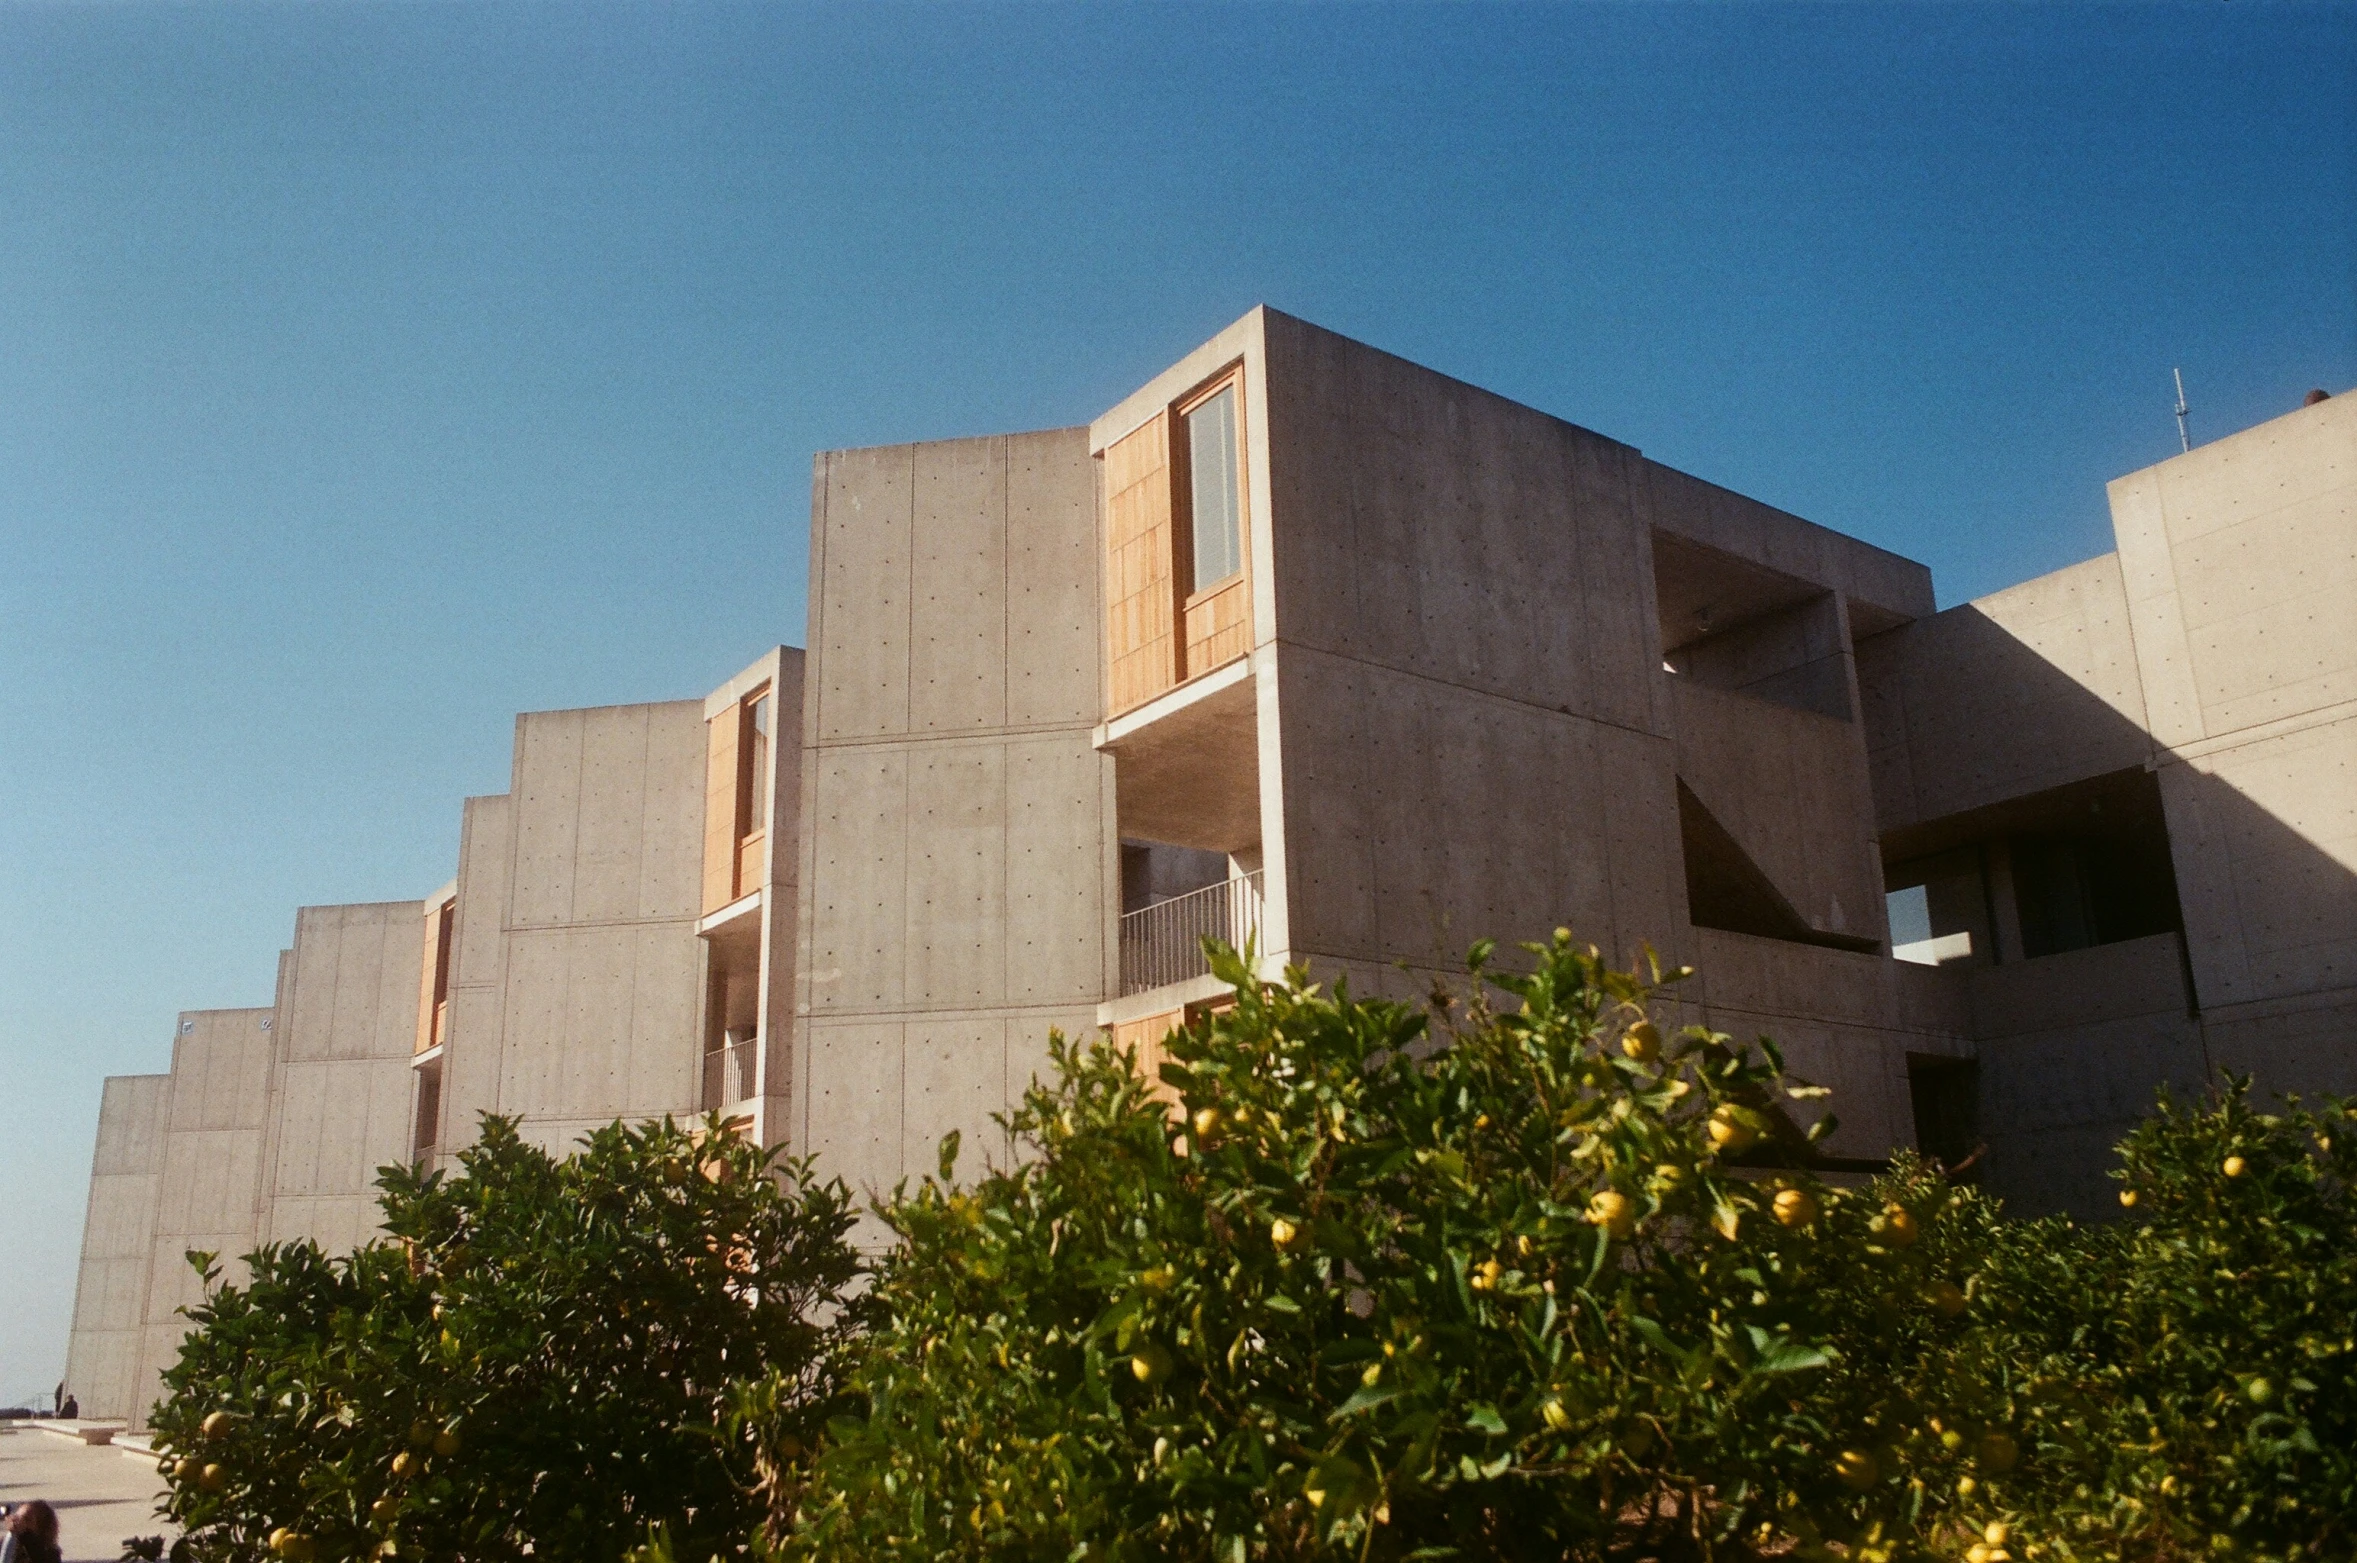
(2184, 441)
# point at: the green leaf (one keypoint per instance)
(1366, 1397)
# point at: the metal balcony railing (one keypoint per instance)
(1163, 943)
(728, 1072)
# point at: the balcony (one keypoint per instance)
(728, 1071)
(1163, 943)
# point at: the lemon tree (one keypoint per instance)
(2179, 1383)
(1530, 1285)
(538, 1361)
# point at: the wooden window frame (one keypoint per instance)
(433, 996)
(1182, 490)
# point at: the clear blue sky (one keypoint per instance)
(370, 373)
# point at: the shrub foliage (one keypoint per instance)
(539, 1362)
(1518, 1274)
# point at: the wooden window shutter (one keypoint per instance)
(429, 983)
(1141, 581)
(721, 805)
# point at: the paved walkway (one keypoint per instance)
(101, 1494)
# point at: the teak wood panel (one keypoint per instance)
(752, 858)
(1147, 1035)
(1219, 626)
(721, 808)
(431, 986)
(1141, 587)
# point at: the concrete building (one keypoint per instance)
(1305, 644)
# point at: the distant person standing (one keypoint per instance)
(70, 1411)
(30, 1535)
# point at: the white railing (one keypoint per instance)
(728, 1072)
(1163, 943)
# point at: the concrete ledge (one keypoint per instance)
(80, 1432)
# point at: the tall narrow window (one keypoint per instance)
(1215, 507)
(756, 753)
(445, 924)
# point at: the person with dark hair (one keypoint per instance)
(30, 1535)
(71, 1411)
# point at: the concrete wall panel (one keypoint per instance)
(955, 1074)
(2307, 1047)
(857, 892)
(611, 815)
(857, 1102)
(1446, 532)
(955, 939)
(2264, 835)
(1051, 955)
(663, 1054)
(2030, 688)
(2240, 560)
(1732, 523)
(1790, 786)
(671, 843)
(954, 870)
(860, 544)
(546, 810)
(133, 1111)
(110, 1290)
(958, 587)
(1051, 579)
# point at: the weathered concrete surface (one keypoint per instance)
(110, 1292)
(208, 1188)
(102, 1494)
(340, 1107)
(960, 868)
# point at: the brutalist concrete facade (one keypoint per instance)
(1305, 644)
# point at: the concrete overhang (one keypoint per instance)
(1187, 764)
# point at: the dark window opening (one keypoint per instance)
(2066, 869)
(1947, 1098)
(427, 1129)
(1726, 890)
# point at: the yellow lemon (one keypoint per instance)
(213, 1478)
(1898, 1226)
(2234, 1166)
(1794, 1207)
(1615, 1212)
(217, 1425)
(1947, 1297)
(1729, 1132)
(1551, 1410)
(1856, 1469)
(2128, 1199)
(1282, 1232)
(1641, 1042)
(1150, 1365)
(1206, 1122)
(447, 1442)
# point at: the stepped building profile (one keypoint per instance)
(1307, 645)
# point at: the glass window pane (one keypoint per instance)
(757, 769)
(1211, 470)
